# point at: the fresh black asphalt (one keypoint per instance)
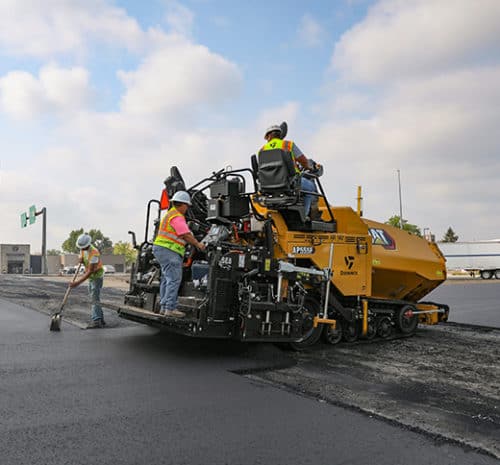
(132, 395)
(475, 302)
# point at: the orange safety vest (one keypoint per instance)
(285, 145)
(86, 257)
(167, 237)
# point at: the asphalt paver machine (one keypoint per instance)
(269, 273)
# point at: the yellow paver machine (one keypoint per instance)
(271, 273)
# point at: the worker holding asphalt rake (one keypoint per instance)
(94, 272)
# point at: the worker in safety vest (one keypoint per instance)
(273, 136)
(94, 272)
(169, 247)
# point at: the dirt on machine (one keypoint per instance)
(271, 273)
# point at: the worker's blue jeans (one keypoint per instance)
(171, 276)
(95, 286)
(310, 186)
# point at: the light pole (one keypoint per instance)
(400, 202)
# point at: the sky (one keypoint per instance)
(99, 98)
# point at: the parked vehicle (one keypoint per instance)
(479, 256)
(109, 269)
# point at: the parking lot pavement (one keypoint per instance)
(134, 395)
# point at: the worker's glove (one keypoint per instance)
(315, 168)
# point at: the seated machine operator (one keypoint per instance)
(274, 140)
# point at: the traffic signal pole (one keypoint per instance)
(25, 219)
(43, 212)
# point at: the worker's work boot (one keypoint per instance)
(175, 314)
(94, 324)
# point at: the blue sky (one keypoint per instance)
(98, 98)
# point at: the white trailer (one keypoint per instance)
(479, 256)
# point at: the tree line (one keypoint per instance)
(449, 235)
(103, 243)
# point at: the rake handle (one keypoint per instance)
(66, 295)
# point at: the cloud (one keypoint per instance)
(180, 19)
(442, 133)
(287, 112)
(128, 152)
(417, 89)
(179, 76)
(310, 32)
(46, 28)
(55, 90)
(408, 38)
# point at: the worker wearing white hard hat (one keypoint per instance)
(169, 247)
(94, 273)
(274, 136)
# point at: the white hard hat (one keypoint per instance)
(273, 128)
(83, 241)
(182, 197)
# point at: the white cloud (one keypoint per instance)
(407, 38)
(179, 76)
(20, 94)
(180, 19)
(128, 152)
(310, 32)
(55, 90)
(442, 133)
(49, 27)
(287, 112)
(417, 90)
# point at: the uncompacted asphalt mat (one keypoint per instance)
(442, 384)
(444, 381)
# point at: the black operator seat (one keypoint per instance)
(276, 172)
(277, 180)
(279, 188)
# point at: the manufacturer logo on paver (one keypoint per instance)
(383, 238)
(349, 261)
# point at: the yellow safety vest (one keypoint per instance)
(167, 237)
(286, 145)
(86, 257)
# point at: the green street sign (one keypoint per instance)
(24, 220)
(32, 214)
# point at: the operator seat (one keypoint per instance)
(276, 172)
(277, 180)
(279, 189)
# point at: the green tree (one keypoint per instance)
(411, 228)
(69, 245)
(450, 236)
(126, 249)
(103, 243)
(53, 252)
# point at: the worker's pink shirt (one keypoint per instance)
(180, 225)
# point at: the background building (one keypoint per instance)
(15, 258)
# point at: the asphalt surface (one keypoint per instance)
(472, 301)
(132, 395)
(444, 381)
